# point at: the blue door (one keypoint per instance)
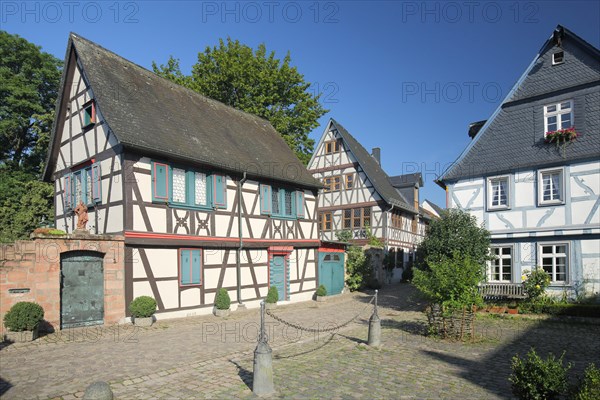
(277, 276)
(331, 272)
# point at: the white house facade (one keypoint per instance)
(540, 199)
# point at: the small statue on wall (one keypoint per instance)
(82, 215)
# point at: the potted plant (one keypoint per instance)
(222, 303)
(562, 138)
(272, 298)
(142, 309)
(321, 293)
(22, 321)
(513, 308)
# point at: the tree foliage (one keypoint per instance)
(29, 83)
(451, 282)
(258, 83)
(456, 232)
(24, 203)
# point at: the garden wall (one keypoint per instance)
(30, 271)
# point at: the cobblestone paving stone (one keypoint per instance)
(203, 357)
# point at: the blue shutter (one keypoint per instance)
(68, 195)
(160, 182)
(219, 191)
(196, 266)
(266, 199)
(185, 267)
(96, 183)
(300, 204)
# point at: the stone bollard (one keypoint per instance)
(374, 327)
(98, 391)
(262, 382)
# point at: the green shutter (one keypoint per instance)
(196, 266)
(220, 191)
(185, 267)
(266, 199)
(160, 182)
(300, 204)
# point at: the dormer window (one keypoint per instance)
(89, 114)
(558, 57)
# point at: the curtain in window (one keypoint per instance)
(178, 185)
(200, 188)
(555, 186)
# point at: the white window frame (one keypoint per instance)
(561, 191)
(558, 113)
(512, 264)
(490, 193)
(554, 62)
(554, 255)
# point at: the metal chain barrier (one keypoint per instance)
(317, 330)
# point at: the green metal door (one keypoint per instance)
(277, 276)
(82, 289)
(331, 271)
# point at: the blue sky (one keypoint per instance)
(406, 76)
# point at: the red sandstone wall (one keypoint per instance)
(35, 264)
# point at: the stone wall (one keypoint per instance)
(30, 271)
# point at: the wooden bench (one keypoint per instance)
(491, 291)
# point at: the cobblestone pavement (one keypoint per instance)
(205, 357)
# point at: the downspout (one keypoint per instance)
(238, 270)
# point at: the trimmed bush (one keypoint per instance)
(273, 295)
(321, 291)
(589, 386)
(142, 307)
(24, 316)
(549, 307)
(536, 379)
(222, 302)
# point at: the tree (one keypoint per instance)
(455, 233)
(258, 83)
(24, 203)
(29, 82)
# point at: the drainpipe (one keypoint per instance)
(238, 270)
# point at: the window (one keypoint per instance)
(349, 181)
(187, 187)
(332, 183)
(558, 57)
(190, 267)
(89, 114)
(554, 260)
(501, 266)
(558, 116)
(550, 184)
(332, 146)
(498, 193)
(325, 221)
(83, 185)
(281, 202)
(357, 218)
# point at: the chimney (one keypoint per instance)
(376, 154)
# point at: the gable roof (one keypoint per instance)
(439, 210)
(154, 116)
(407, 180)
(510, 140)
(377, 176)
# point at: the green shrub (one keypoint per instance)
(536, 379)
(547, 305)
(589, 386)
(23, 316)
(142, 307)
(321, 291)
(222, 302)
(272, 296)
(535, 282)
(452, 283)
(407, 273)
(357, 268)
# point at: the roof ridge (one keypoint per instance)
(169, 82)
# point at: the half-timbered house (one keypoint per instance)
(358, 196)
(537, 194)
(206, 196)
